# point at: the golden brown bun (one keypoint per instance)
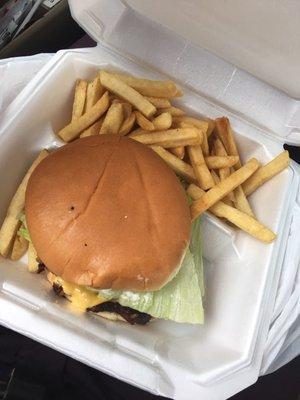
(106, 211)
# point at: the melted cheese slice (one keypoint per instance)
(81, 297)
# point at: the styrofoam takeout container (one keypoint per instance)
(223, 356)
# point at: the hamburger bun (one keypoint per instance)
(105, 211)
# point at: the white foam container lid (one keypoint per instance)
(223, 356)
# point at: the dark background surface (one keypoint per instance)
(37, 372)
(44, 374)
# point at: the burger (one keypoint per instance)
(110, 222)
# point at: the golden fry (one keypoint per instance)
(147, 87)
(178, 93)
(217, 180)
(19, 248)
(204, 178)
(11, 222)
(93, 129)
(174, 111)
(113, 83)
(220, 151)
(225, 134)
(73, 130)
(236, 217)
(113, 120)
(79, 99)
(94, 92)
(198, 123)
(127, 125)
(169, 138)
(204, 145)
(127, 107)
(266, 172)
(218, 162)
(159, 102)
(180, 167)
(223, 188)
(178, 151)
(211, 127)
(241, 202)
(143, 122)
(215, 176)
(162, 122)
(127, 110)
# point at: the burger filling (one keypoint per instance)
(88, 300)
(179, 300)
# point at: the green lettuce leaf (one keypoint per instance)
(23, 231)
(179, 300)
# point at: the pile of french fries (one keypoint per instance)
(203, 152)
(12, 243)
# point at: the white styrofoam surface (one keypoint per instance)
(238, 277)
(176, 54)
(261, 37)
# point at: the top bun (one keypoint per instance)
(105, 211)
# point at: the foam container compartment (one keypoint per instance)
(223, 356)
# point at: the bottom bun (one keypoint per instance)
(110, 315)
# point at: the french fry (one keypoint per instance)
(114, 84)
(19, 248)
(174, 111)
(159, 102)
(217, 180)
(137, 131)
(221, 152)
(225, 134)
(241, 201)
(162, 122)
(127, 125)
(178, 93)
(169, 138)
(236, 217)
(223, 172)
(11, 222)
(178, 151)
(204, 178)
(179, 124)
(179, 166)
(127, 110)
(93, 129)
(73, 130)
(113, 120)
(33, 264)
(218, 162)
(223, 188)
(79, 99)
(198, 123)
(266, 172)
(211, 127)
(147, 87)
(204, 145)
(215, 176)
(94, 92)
(143, 122)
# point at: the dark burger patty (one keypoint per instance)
(129, 314)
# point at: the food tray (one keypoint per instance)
(181, 361)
